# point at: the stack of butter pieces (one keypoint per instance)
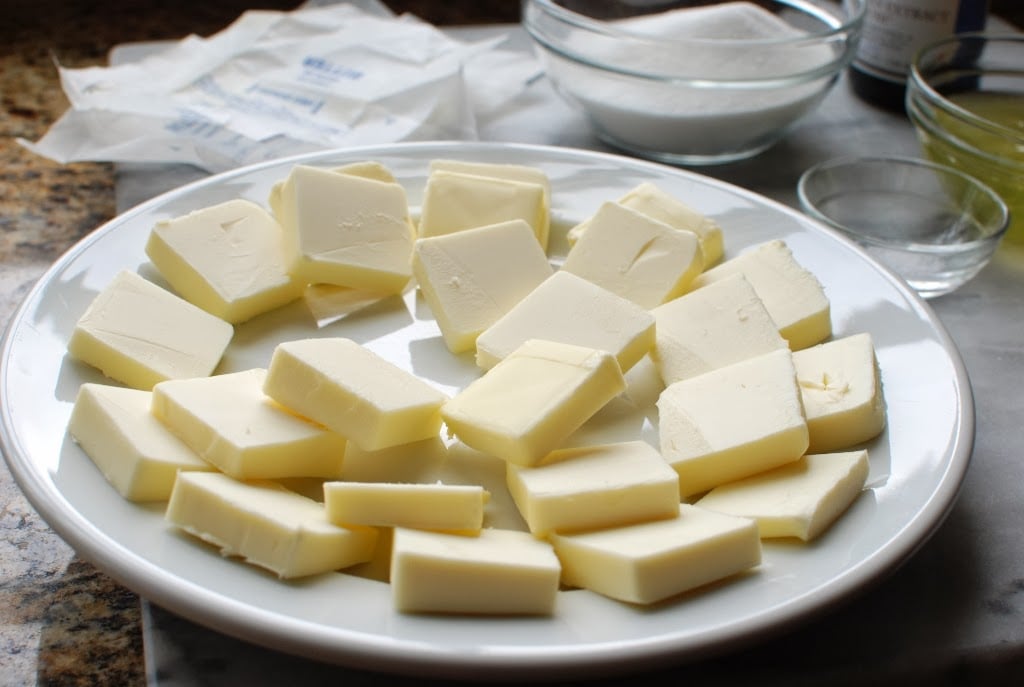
(759, 409)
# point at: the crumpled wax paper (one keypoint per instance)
(274, 84)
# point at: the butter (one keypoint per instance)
(648, 199)
(732, 422)
(500, 170)
(353, 391)
(230, 422)
(416, 461)
(228, 259)
(346, 230)
(138, 333)
(801, 499)
(472, 278)
(498, 572)
(328, 303)
(524, 407)
(635, 256)
(793, 296)
(841, 388)
(368, 169)
(723, 323)
(266, 525)
(595, 487)
(137, 455)
(653, 561)
(454, 201)
(458, 508)
(570, 309)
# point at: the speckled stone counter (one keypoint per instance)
(64, 622)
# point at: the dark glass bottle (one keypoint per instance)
(893, 31)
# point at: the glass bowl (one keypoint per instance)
(693, 82)
(965, 97)
(932, 225)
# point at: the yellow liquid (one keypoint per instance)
(1007, 177)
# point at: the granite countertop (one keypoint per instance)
(61, 620)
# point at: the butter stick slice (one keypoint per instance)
(266, 525)
(458, 508)
(524, 407)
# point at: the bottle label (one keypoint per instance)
(895, 29)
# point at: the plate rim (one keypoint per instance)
(291, 635)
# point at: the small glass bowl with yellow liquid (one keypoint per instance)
(965, 96)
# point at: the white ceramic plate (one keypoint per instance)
(917, 464)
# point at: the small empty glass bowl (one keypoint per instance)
(934, 226)
(693, 82)
(965, 96)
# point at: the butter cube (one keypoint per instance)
(328, 303)
(266, 525)
(595, 487)
(801, 499)
(524, 407)
(648, 199)
(473, 277)
(453, 201)
(498, 572)
(793, 296)
(353, 391)
(635, 256)
(500, 170)
(228, 259)
(570, 309)
(419, 506)
(346, 230)
(649, 562)
(138, 333)
(136, 454)
(841, 388)
(368, 169)
(723, 323)
(229, 421)
(416, 461)
(732, 422)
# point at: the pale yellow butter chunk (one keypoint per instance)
(228, 259)
(134, 451)
(635, 256)
(648, 199)
(570, 309)
(801, 499)
(229, 421)
(841, 388)
(649, 562)
(723, 323)
(138, 333)
(353, 391)
(369, 169)
(266, 525)
(498, 572)
(595, 487)
(473, 277)
(328, 303)
(416, 461)
(454, 201)
(500, 170)
(346, 230)
(452, 507)
(524, 407)
(792, 295)
(732, 422)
